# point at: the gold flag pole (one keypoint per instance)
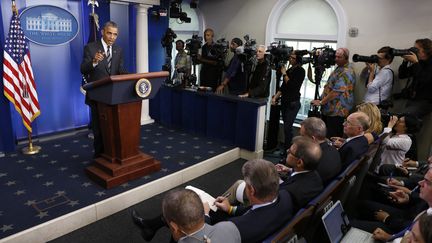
(31, 149)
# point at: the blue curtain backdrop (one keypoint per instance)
(56, 68)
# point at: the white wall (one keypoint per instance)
(235, 18)
(397, 23)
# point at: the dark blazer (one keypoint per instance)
(303, 187)
(256, 225)
(329, 164)
(101, 70)
(352, 150)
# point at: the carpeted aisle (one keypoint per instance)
(35, 189)
(119, 227)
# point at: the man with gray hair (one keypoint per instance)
(329, 165)
(183, 212)
(301, 181)
(356, 144)
(269, 208)
(260, 78)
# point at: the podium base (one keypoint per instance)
(108, 174)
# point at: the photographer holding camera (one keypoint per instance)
(379, 83)
(338, 96)
(260, 79)
(290, 93)
(234, 77)
(211, 71)
(182, 62)
(419, 98)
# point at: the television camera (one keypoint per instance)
(320, 58)
(193, 46)
(219, 50)
(166, 41)
(279, 54)
(248, 51)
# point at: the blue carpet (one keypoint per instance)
(38, 188)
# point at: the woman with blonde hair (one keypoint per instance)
(374, 114)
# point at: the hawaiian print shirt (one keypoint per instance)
(341, 80)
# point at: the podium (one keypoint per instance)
(118, 100)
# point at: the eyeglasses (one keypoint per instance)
(349, 123)
(428, 182)
(289, 152)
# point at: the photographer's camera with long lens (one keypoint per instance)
(385, 116)
(280, 54)
(403, 52)
(368, 59)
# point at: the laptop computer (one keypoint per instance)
(339, 229)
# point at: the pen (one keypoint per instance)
(225, 196)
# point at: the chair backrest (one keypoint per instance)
(294, 229)
(350, 169)
(315, 230)
(328, 191)
(377, 157)
(347, 185)
(353, 193)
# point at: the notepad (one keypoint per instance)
(205, 197)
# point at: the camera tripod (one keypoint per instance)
(314, 111)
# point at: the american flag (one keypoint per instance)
(18, 80)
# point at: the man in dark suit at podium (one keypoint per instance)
(102, 58)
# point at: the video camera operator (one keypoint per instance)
(234, 78)
(211, 70)
(338, 96)
(260, 79)
(418, 92)
(380, 78)
(182, 62)
(290, 93)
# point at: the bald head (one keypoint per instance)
(342, 56)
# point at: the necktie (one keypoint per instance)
(109, 59)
